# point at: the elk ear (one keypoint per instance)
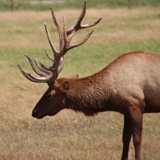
(64, 87)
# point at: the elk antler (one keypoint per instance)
(49, 74)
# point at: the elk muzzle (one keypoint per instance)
(37, 115)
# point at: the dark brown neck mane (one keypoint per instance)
(86, 96)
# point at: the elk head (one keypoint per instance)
(54, 98)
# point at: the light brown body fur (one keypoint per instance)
(129, 85)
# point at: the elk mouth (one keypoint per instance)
(40, 116)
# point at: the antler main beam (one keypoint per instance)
(49, 74)
(78, 25)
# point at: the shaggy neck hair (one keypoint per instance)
(86, 96)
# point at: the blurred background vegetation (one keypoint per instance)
(40, 5)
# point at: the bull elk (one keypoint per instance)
(129, 85)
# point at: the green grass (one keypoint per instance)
(70, 135)
(25, 5)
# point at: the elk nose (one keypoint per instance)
(34, 113)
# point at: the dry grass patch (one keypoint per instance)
(20, 29)
(69, 135)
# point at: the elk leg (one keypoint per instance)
(136, 119)
(127, 133)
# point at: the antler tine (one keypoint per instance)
(57, 55)
(49, 56)
(41, 66)
(50, 42)
(35, 79)
(60, 32)
(44, 73)
(78, 25)
(33, 66)
(67, 39)
(45, 68)
(73, 45)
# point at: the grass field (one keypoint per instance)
(69, 135)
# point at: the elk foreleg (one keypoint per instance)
(127, 133)
(136, 120)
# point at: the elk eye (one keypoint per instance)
(49, 96)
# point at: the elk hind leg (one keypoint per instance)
(136, 120)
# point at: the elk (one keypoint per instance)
(129, 85)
